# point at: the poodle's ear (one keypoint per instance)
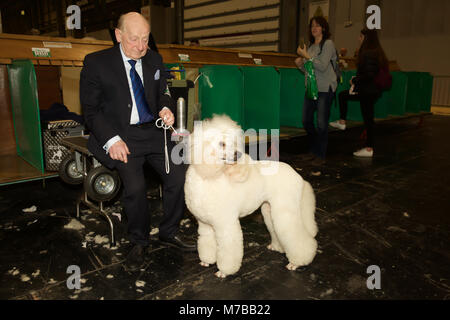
(237, 172)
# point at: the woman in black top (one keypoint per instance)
(371, 58)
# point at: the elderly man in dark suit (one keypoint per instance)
(123, 90)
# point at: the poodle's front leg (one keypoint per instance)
(206, 244)
(230, 247)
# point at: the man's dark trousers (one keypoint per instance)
(147, 144)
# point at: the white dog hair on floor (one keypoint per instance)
(224, 184)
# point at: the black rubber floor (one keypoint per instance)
(391, 211)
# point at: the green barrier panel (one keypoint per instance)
(398, 93)
(221, 92)
(427, 91)
(413, 96)
(25, 110)
(261, 98)
(292, 94)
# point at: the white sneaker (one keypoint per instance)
(337, 125)
(364, 153)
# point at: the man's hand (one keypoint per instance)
(167, 116)
(119, 151)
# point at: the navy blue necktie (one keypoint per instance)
(139, 95)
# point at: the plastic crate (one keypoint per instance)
(52, 134)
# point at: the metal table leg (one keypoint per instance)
(100, 209)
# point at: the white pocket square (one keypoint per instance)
(157, 75)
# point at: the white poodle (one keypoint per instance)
(224, 184)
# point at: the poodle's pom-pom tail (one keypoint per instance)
(308, 208)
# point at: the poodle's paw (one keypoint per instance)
(273, 247)
(220, 274)
(291, 267)
(204, 264)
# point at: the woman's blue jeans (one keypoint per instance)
(318, 137)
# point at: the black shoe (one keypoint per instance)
(176, 242)
(135, 258)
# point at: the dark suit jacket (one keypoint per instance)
(106, 99)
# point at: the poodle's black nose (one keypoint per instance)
(237, 155)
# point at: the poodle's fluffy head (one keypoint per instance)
(215, 144)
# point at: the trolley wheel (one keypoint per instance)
(68, 171)
(102, 184)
